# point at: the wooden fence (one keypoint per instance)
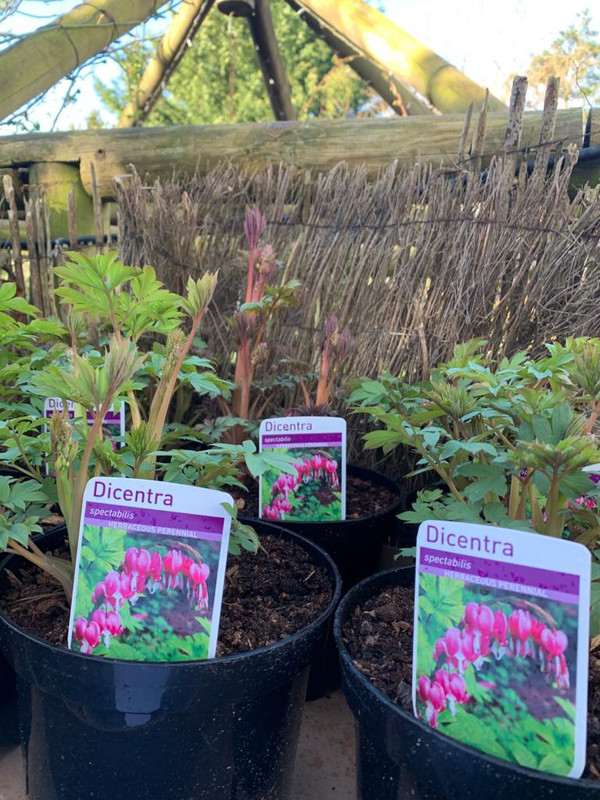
(412, 260)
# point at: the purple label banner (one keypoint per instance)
(302, 440)
(111, 417)
(151, 520)
(512, 577)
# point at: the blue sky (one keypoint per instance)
(486, 40)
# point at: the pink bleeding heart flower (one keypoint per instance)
(458, 688)
(98, 592)
(113, 623)
(79, 628)
(423, 686)
(520, 625)
(456, 648)
(143, 562)
(172, 564)
(130, 560)
(554, 644)
(443, 678)
(88, 634)
(155, 568)
(436, 702)
(432, 694)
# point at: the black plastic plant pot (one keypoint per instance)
(9, 728)
(399, 756)
(355, 546)
(220, 729)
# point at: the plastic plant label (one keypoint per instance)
(113, 424)
(150, 570)
(317, 490)
(501, 642)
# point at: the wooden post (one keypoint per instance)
(15, 235)
(271, 63)
(479, 135)
(34, 267)
(540, 166)
(56, 181)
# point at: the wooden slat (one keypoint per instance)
(318, 146)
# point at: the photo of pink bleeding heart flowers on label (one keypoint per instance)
(150, 571)
(315, 491)
(501, 642)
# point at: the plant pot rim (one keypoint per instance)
(184, 665)
(371, 585)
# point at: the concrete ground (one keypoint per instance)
(325, 765)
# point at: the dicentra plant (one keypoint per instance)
(128, 310)
(508, 440)
(252, 323)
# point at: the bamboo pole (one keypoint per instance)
(171, 49)
(373, 35)
(39, 60)
(316, 145)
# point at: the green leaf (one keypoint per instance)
(495, 484)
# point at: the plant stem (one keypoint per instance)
(63, 575)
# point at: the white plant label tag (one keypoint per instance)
(501, 642)
(150, 570)
(317, 491)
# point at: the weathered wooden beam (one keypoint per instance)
(371, 34)
(399, 98)
(271, 62)
(316, 145)
(39, 60)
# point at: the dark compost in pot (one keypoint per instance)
(400, 756)
(373, 501)
(222, 728)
